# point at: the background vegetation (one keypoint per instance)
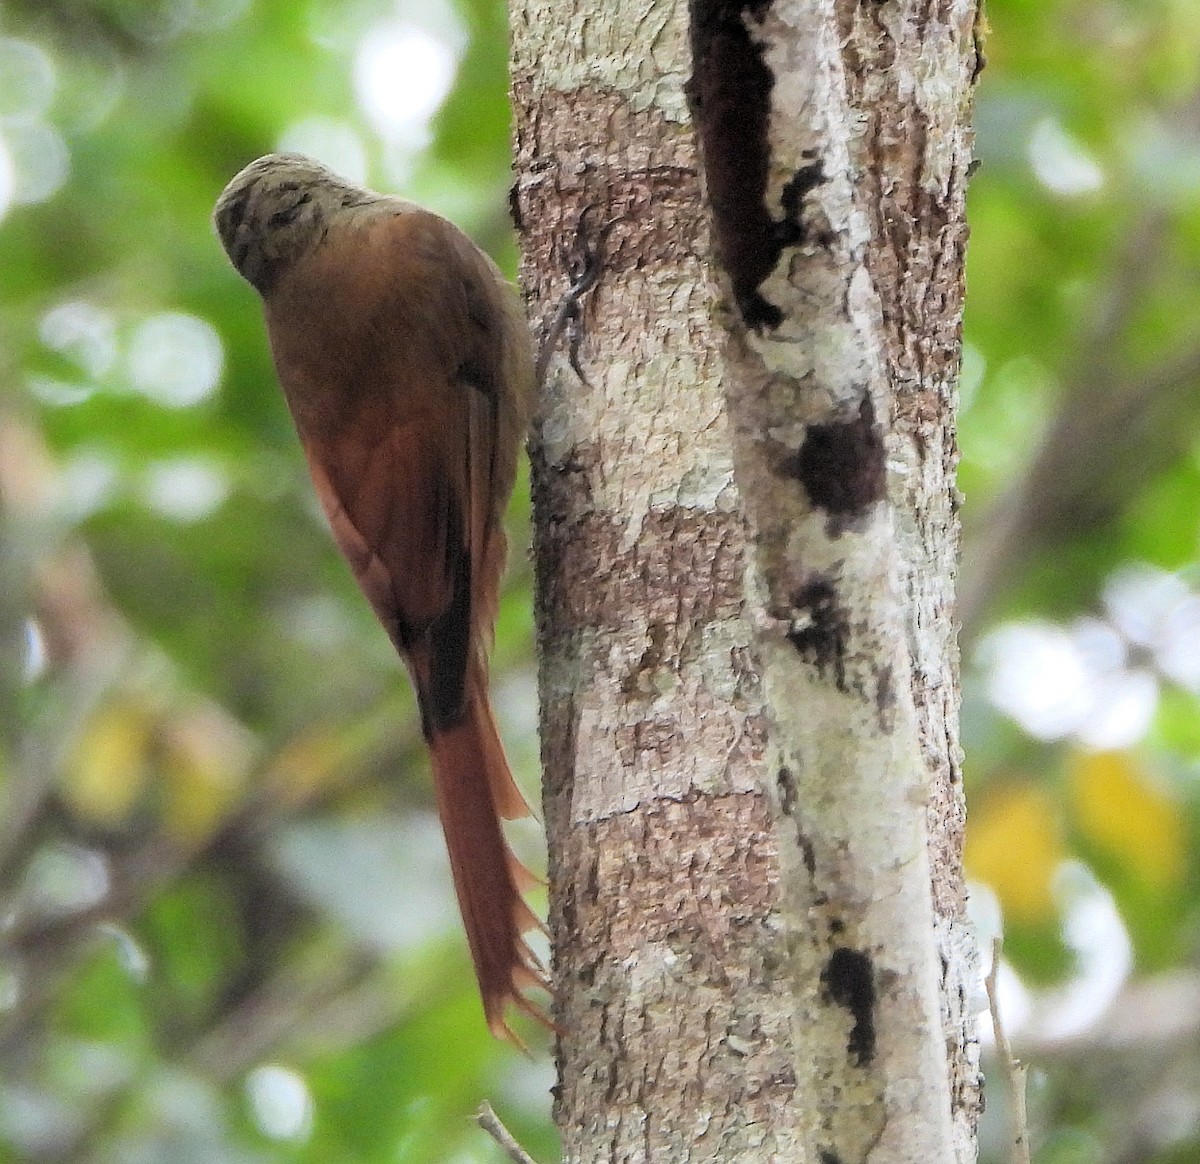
(227, 933)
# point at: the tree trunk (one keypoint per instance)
(745, 537)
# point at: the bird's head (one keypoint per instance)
(278, 209)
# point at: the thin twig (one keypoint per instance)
(1014, 1070)
(489, 1121)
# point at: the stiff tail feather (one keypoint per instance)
(474, 788)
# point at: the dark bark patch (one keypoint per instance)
(514, 208)
(885, 699)
(786, 783)
(804, 181)
(808, 853)
(842, 464)
(820, 628)
(730, 94)
(849, 978)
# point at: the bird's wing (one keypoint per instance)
(396, 499)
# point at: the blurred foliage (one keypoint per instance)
(1080, 431)
(228, 931)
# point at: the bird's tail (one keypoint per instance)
(475, 789)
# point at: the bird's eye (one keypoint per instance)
(288, 214)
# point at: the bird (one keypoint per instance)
(407, 366)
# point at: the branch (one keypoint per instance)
(489, 1121)
(1014, 1070)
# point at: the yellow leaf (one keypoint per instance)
(1122, 810)
(1015, 845)
(106, 771)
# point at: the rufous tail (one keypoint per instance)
(474, 789)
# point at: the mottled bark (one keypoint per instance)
(745, 541)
